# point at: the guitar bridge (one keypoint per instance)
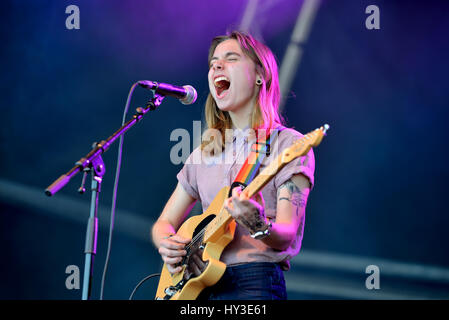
(172, 290)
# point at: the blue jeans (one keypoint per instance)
(249, 281)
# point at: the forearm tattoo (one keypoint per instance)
(301, 226)
(296, 197)
(253, 222)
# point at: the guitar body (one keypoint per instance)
(211, 254)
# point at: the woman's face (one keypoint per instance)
(232, 76)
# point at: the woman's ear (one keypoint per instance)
(259, 75)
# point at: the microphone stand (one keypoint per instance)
(94, 164)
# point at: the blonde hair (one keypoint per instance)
(265, 114)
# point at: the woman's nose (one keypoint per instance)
(218, 65)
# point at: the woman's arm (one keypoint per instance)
(171, 247)
(290, 213)
(291, 203)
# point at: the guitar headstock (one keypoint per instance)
(301, 146)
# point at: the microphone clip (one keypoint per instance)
(151, 105)
(155, 102)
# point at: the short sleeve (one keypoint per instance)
(187, 177)
(304, 165)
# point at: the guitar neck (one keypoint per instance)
(224, 218)
(299, 148)
(264, 177)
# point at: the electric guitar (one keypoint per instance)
(213, 230)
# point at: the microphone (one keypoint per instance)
(185, 94)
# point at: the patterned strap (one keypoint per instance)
(259, 150)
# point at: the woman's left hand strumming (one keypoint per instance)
(247, 212)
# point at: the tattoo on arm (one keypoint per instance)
(296, 197)
(250, 215)
(301, 227)
(255, 222)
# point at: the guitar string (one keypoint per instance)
(195, 239)
(199, 234)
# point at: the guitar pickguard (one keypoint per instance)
(197, 237)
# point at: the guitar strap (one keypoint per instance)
(259, 150)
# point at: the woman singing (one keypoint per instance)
(243, 102)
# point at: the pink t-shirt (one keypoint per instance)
(203, 177)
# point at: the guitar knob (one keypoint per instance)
(201, 246)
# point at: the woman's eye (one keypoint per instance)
(228, 59)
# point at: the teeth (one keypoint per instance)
(221, 78)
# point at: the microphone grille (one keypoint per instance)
(191, 95)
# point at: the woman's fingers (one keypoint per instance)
(173, 269)
(195, 269)
(236, 191)
(178, 238)
(172, 261)
(247, 212)
(172, 245)
(197, 265)
(175, 242)
(259, 199)
(197, 259)
(229, 206)
(239, 204)
(172, 252)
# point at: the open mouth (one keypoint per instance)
(222, 84)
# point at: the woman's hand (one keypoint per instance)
(171, 249)
(247, 212)
(196, 265)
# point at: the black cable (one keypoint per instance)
(142, 281)
(114, 194)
